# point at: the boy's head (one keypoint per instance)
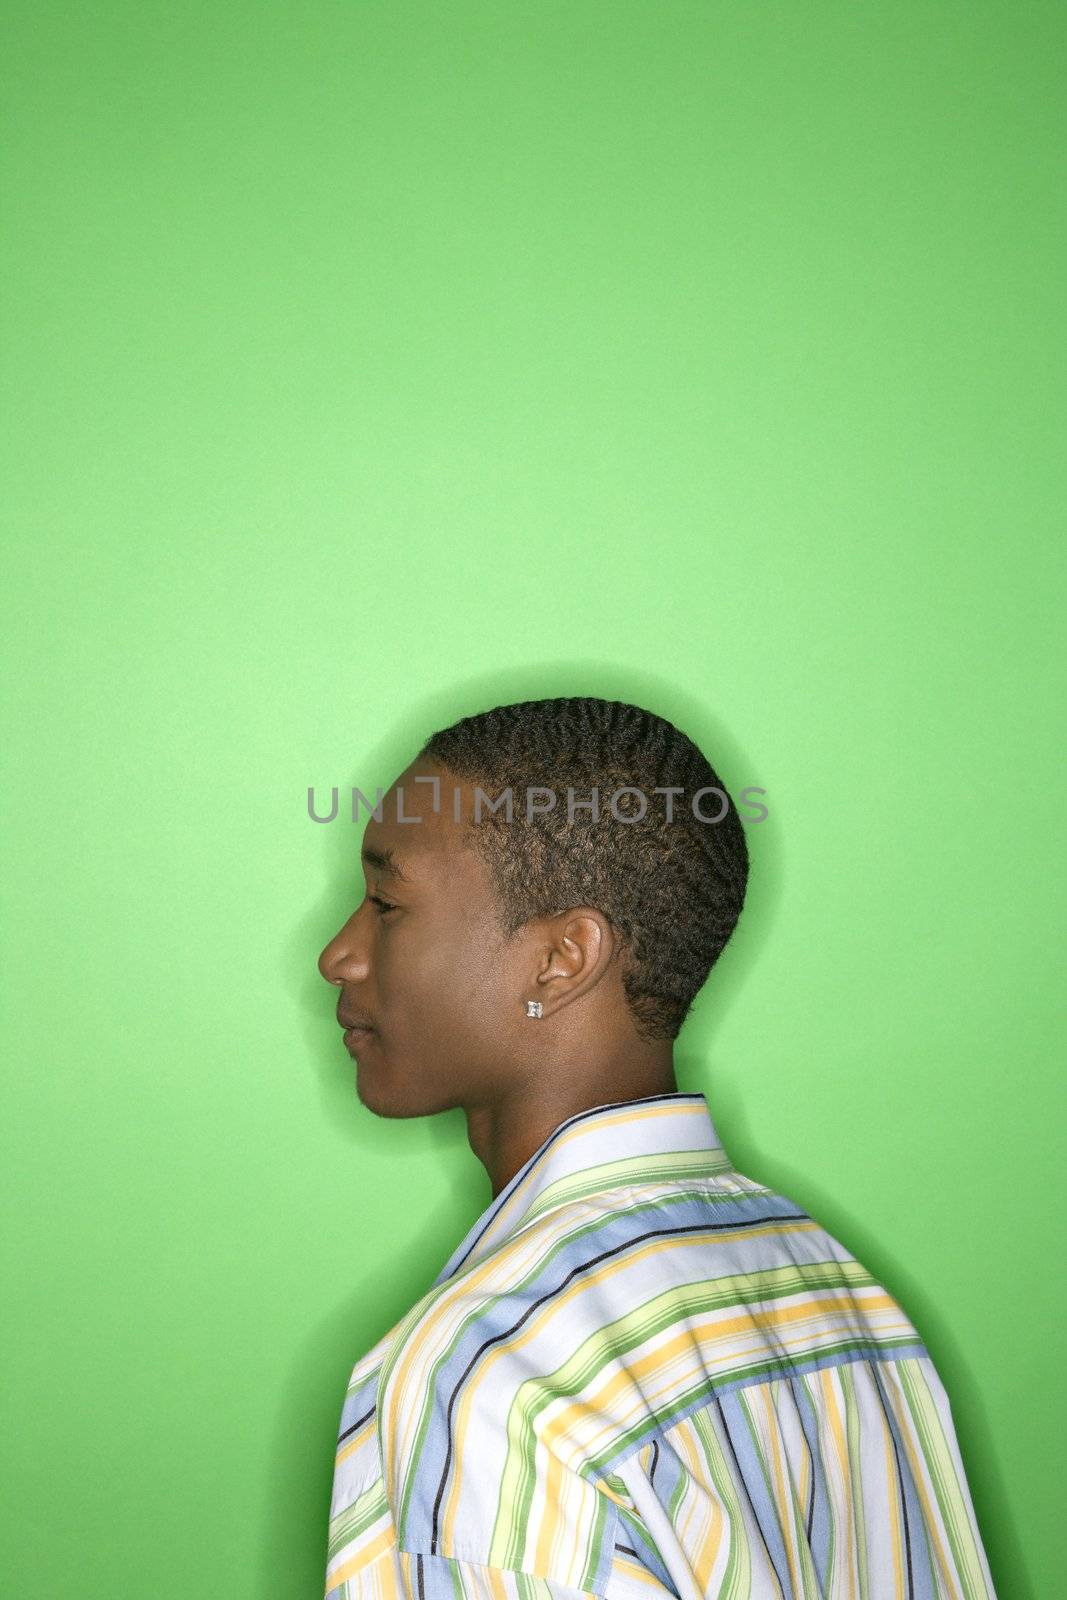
(511, 888)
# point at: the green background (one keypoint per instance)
(369, 364)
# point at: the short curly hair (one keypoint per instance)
(673, 889)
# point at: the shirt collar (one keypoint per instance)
(661, 1138)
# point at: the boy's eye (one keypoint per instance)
(382, 905)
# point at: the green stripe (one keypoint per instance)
(355, 1519)
(737, 1579)
(678, 1167)
(852, 1440)
(950, 1496)
(809, 1577)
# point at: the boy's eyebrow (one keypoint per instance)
(383, 860)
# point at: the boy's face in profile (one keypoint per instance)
(422, 961)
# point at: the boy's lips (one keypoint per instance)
(355, 1024)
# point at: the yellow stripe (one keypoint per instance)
(363, 1558)
(554, 1490)
(634, 1571)
(894, 1507)
(827, 1382)
(687, 1446)
(350, 1446)
(931, 1513)
(785, 1508)
(497, 1586)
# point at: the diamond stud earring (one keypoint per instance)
(533, 1008)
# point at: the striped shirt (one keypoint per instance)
(642, 1374)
